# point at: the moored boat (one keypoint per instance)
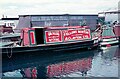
(108, 36)
(45, 39)
(9, 39)
(7, 35)
(111, 34)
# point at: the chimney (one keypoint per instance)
(2, 16)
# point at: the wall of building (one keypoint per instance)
(57, 20)
(111, 17)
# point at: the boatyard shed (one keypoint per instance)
(57, 20)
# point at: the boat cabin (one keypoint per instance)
(54, 35)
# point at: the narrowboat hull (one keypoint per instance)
(50, 47)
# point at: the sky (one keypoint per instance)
(13, 8)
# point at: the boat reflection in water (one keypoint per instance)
(95, 63)
(82, 66)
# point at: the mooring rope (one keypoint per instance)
(8, 52)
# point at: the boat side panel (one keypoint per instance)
(46, 48)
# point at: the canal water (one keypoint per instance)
(101, 62)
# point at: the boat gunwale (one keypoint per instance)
(84, 41)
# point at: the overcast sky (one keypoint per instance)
(13, 8)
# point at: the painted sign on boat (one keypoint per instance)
(75, 35)
(53, 36)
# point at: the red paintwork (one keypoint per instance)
(116, 30)
(65, 34)
(4, 29)
(74, 35)
(57, 34)
(25, 36)
(53, 36)
(108, 45)
(32, 37)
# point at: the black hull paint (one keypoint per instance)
(35, 59)
(57, 47)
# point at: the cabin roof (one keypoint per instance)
(113, 12)
(9, 18)
(70, 27)
(61, 15)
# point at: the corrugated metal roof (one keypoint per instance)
(61, 15)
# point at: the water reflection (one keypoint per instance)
(105, 63)
(97, 63)
(59, 69)
(82, 66)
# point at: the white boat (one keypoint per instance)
(9, 39)
(108, 37)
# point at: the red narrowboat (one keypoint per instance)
(54, 39)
